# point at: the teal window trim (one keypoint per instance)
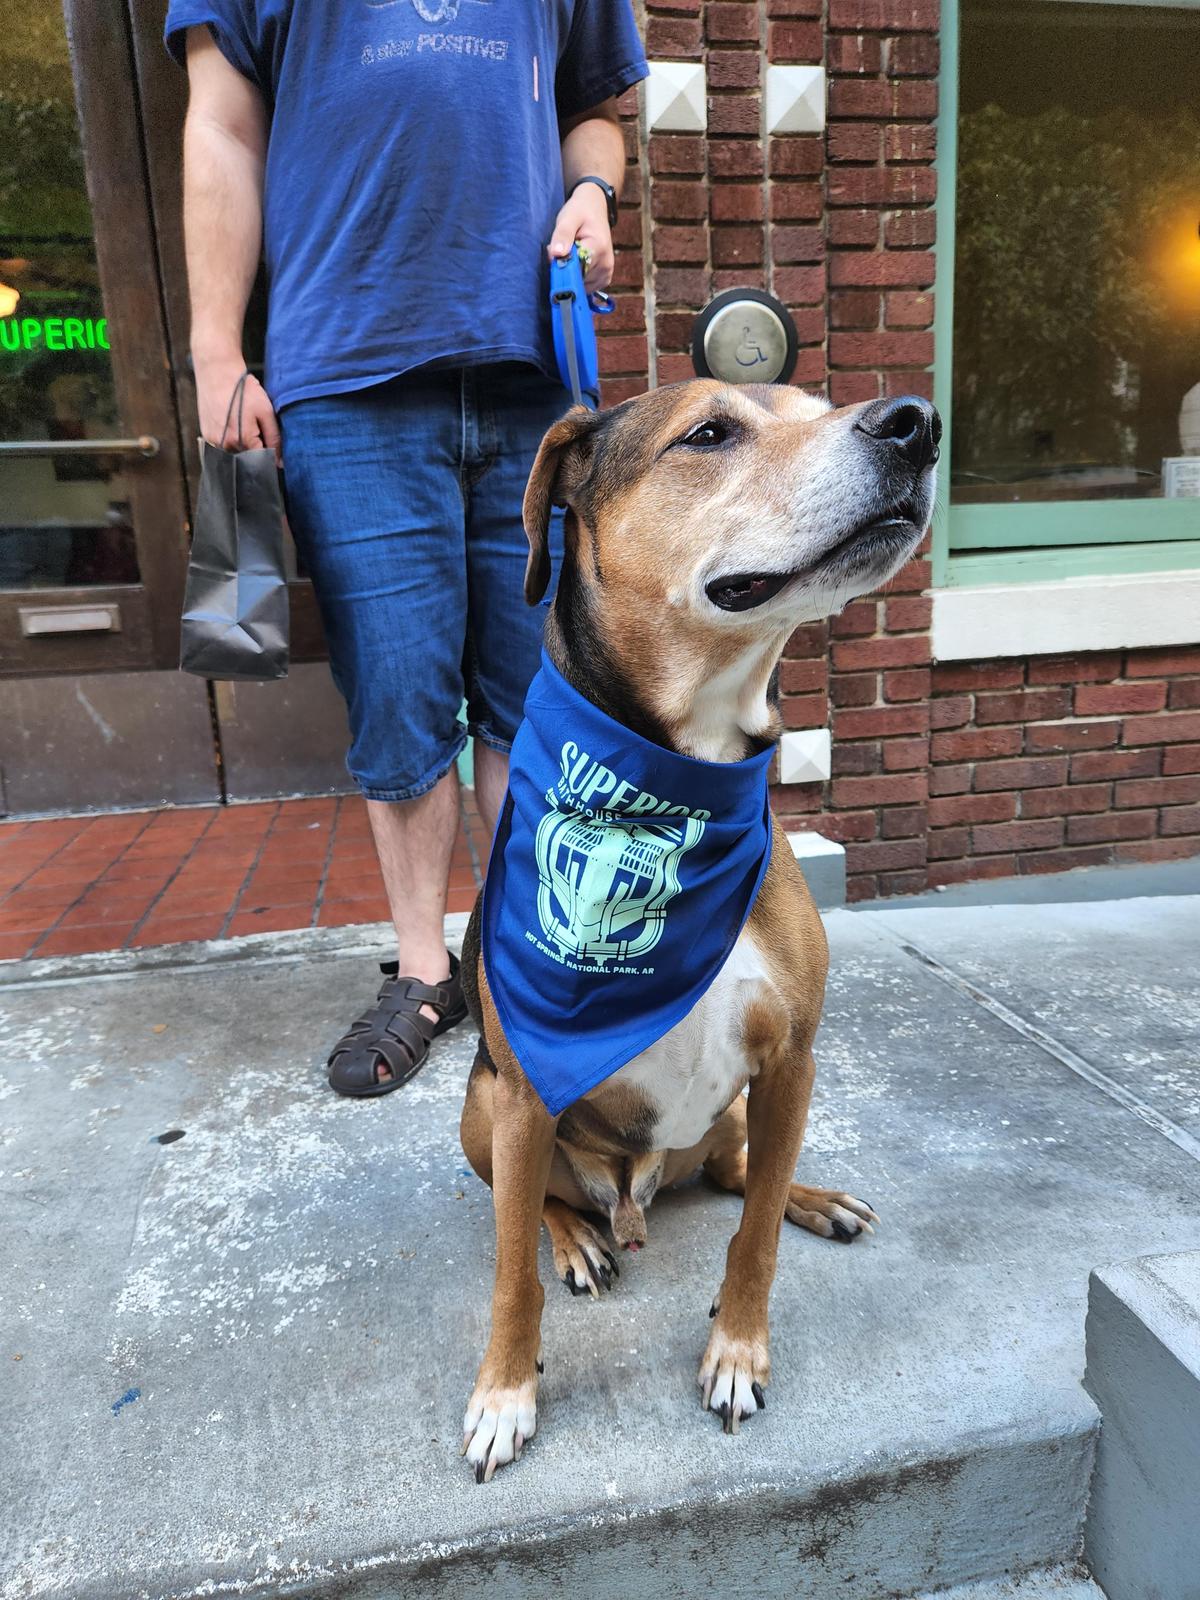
(1074, 522)
(967, 570)
(946, 167)
(1057, 539)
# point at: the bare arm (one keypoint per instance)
(592, 145)
(224, 154)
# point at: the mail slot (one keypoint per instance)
(37, 620)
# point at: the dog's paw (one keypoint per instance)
(829, 1213)
(582, 1259)
(732, 1377)
(496, 1425)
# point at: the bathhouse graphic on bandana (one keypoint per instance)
(605, 884)
(620, 878)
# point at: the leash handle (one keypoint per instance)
(564, 300)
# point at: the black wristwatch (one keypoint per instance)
(610, 196)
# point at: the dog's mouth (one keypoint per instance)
(871, 544)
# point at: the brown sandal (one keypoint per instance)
(395, 1033)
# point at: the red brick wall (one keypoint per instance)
(941, 772)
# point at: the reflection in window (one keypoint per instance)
(64, 520)
(1077, 261)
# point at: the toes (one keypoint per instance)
(495, 1431)
(734, 1396)
(587, 1266)
(582, 1274)
(837, 1216)
(812, 1220)
(728, 1385)
(848, 1224)
(504, 1446)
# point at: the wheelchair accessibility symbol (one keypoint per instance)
(744, 336)
(749, 353)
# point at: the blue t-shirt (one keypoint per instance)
(413, 171)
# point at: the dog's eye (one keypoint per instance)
(705, 435)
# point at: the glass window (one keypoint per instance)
(1077, 259)
(64, 519)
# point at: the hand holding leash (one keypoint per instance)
(583, 221)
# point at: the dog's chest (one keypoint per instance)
(693, 1072)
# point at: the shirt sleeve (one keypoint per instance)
(232, 27)
(603, 56)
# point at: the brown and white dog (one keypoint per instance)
(703, 523)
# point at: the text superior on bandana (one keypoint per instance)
(584, 780)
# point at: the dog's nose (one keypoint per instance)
(908, 424)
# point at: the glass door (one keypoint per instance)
(93, 512)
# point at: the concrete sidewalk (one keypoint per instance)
(240, 1317)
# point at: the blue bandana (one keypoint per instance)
(620, 878)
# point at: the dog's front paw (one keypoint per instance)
(496, 1425)
(733, 1374)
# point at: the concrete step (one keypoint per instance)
(1143, 1368)
(244, 1352)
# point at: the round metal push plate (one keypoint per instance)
(744, 336)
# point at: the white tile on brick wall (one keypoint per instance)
(795, 99)
(676, 97)
(804, 756)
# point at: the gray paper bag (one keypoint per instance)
(235, 608)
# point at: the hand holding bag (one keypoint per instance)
(235, 608)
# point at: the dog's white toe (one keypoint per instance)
(732, 1377)
(495, 1427)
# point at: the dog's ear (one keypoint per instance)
(561, 466)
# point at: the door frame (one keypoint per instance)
(111, 139)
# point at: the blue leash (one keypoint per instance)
(571, 310)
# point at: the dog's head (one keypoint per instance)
(704, 522)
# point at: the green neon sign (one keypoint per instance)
(53, 333)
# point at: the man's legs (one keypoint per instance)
(375, 499)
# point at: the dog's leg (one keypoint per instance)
(736, 1365)
(827, 1212)
(502, 1411)
(582, 1259)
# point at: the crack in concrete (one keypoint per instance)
(1062, 1053)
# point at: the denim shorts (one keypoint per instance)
(405, 503)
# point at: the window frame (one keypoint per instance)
(1061, 539)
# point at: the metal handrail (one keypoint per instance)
(144, 445)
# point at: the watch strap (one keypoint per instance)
(610, 196)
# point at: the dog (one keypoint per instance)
(703, 523)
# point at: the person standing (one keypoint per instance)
(405, 168)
